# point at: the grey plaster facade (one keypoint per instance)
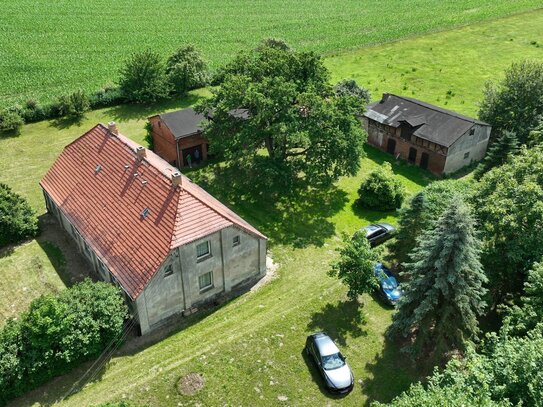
(236, 257)
(468, 148)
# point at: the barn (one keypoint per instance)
(431, 137)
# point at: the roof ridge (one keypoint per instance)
(440, 109)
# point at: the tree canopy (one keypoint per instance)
(381, 191)
(356, 265)
(279, 99)
(186, 69)
(508, 202)
(443, 295)
(18, 221)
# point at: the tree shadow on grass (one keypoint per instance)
(391, 373)
(286, 210)
(132, 111)
(67, 121)
(339, 320)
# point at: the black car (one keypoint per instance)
(377, 233)
(330, 362)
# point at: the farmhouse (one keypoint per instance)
(179, 134)
(436, 139)
(147, 228)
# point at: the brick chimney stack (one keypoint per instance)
(140, 152)
(112, 127)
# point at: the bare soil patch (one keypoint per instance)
(190, 384)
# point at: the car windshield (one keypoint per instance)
(389, 283)
(334, 361)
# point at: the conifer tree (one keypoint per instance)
(444, 293)
(505, 145)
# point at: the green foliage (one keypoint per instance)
(57, 333)
(149, 136)
(421, 212)
(356, 266)
(505, 146)
(143, 78)
(509, 206)
(186, 70)
(18, 221)
(349, 87)
(381, 191)
(535, 138)
(292, 112)
(10, 121)
(444, 293)
(73, 105)
(516, 103)
(529, 313)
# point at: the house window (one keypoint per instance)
(466, 155)
(205, 281)
(472, 131)
(168, 271)
(236, 241)
(202, 250)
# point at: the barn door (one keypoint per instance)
(424, 158)
(412, 155)
(391, 146)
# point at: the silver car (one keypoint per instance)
(330, 362)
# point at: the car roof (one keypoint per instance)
(325, 344)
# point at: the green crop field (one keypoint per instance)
(51, 47)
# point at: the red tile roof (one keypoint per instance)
(101, 186)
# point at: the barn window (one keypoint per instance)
(168, 271)
(202, 250)
(205, 281)
(472, 131)
(236, 241)
(466, 155)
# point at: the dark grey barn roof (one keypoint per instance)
(186, 122)
(438, 125)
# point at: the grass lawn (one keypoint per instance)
(52, 47)
(448, 69)
(249, 349)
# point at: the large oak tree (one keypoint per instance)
(280, 100)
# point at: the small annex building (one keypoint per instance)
(431, 137)
(178, 136)
(168, 244)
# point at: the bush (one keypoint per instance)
(106, 97)
(186, 70)
(143, 78)
(349, 87)
(57, 333)
(18, 220)
(381, 190)
(73, 105)
(149, 136)
(11, 121)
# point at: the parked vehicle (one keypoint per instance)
(331, 364)
(389, 289)
(377, 233)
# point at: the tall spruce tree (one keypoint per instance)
(506, 144)
(444, 293)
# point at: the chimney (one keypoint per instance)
(140, 152)
(176, 179)
(385, 97)
(112, 127)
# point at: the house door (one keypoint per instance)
(412, 155)
(424, 158)
(391, 146)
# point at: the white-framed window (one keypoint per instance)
(466, 155)
(236, 241)
(205, 281)
(202, 250)
(168, 271)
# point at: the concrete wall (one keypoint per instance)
(467, 149)
(229, 264)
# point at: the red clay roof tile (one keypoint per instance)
(106, 203)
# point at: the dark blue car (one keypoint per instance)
(388, 285)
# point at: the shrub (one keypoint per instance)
(10, 121)
(186, 70)
(349, 87)
(106, 97)
(143, 78)
(149, 136)
(57, 333)
(381, 190)
(74, 104)
(18, 220)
